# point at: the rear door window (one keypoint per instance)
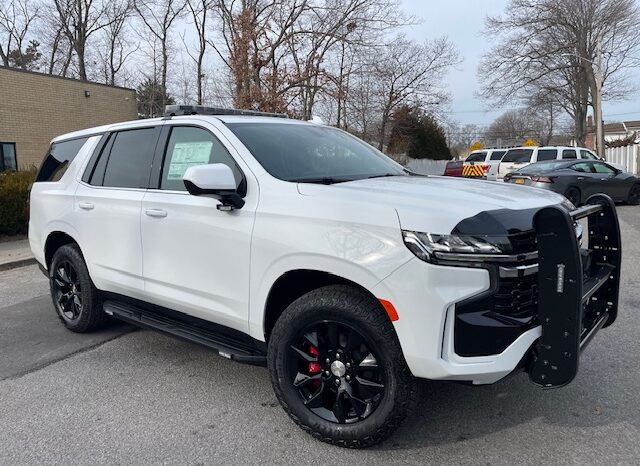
(58, 159)
(497, 154)
(476, 157)
(582, 167)
(130, 159)
(569, 154)
(547, 154)
(518, 156)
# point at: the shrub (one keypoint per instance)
(14, 195)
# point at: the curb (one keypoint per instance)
(17, 263)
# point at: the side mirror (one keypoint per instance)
(214, 180)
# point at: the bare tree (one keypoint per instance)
(199, 10)
(407, 71)
(549, 47)
(16, 19)
(159, 16)
(79, 20)
(115, 48)
(515, 126)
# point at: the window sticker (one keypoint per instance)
(188, 154)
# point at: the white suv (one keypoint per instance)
(483, 164)
(298, 246)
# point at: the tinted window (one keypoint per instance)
(518, 155)
(476, 157)
(57, 160)
(498, 154)
(569, 154)
(547, 154)
(130, 159)
(312, 153)
(603, 168)
(8, 156)
(188, 147)
(582, 167)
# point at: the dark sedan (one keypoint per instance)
(579, 179)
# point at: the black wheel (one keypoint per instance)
(634, 195)
(573, 194)
(74, 296)
(337, 367)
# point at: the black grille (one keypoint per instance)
(517, 297)
(523, 242)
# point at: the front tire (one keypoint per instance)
(75, 298)
(337, 367)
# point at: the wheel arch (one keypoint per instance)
(55, 240)
(295, 283)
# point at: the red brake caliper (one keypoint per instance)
(313, 367)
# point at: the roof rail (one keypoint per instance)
(175, 110)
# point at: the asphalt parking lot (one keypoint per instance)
(125, 396)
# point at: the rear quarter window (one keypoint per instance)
(518, 155)
(58, 159)
(497, 155)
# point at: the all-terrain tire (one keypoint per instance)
(356, 309)
(90, 315)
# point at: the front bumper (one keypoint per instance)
(459, 327)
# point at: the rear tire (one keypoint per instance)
(75, 298)
(574, 195)
(337, 367)
(634, 195)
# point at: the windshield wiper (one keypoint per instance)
(384, 175)
(319, 180)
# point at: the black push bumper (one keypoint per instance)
(577, 287)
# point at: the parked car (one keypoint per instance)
(577, 180)
(298, 246)
(519, 157)
(483, 164)
(453, 168)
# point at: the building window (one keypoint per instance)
(8, 156)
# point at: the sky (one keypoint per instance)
(462, 22)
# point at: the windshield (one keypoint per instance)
(314, 154)
(518, 155)
(476, 157)
(542, 167)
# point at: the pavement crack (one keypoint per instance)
(64, 357)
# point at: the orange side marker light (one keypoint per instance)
(391, 311)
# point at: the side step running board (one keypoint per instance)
(226, 346)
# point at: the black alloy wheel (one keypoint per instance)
(75, 298)
(337, 367)
(67, 291)
(335, 371)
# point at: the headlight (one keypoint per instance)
(427, 246)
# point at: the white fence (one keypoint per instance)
(627, 156)
(427, 166)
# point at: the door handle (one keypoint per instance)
(581, 178)
(157, 213)
(86, 205)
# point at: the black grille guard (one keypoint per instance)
(578, 288)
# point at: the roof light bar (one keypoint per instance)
(176, 110)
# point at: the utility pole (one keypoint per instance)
(598, 99)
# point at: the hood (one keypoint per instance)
(436, 204)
